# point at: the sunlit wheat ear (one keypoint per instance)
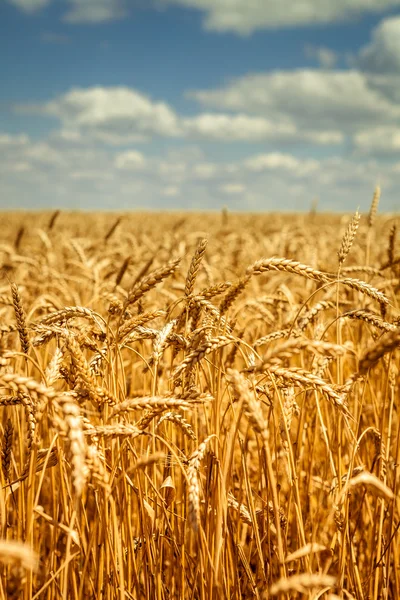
(97, 362)
(302, 583)
(150, 281)
(168, 490)
(77, 442)
(120, 429)
(60, 317)
(21, 319)
(290, 408)
(85, 379)
(96, 466)
(251, 406)
(309, 317)
(160, 341)
(18, 238)
(288, 265)
(235, 290)
(388, 342)
(208, 346)
(52, 372)
(348, 238)
(79, 361)
(310, 548)
(147, 461)
(135, 322)
(215, 290)
(53, 219)
(6, 449)
(193, 484)
(195, 266)
(13, 552)
(371, 318)
(392, 244)
(30, 416)
(365, 288)
(277, 335)
(112, 229)
(374, 206)
(293, 347)
(154, 402)
(44, 458)
(374, 485)
(180, 421)
(298, 376)
(242, 509)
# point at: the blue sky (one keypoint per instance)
(252, 104)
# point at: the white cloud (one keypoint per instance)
(204, 171)
(171, 191)
(232, 188)
(242, 127)
(55, 173)
(240, 16)
(312, 99)
(325, 57)
(79, 11)
(68, 136)
(93, 175)
(44, 154)
(114, 115)
(387, 85)
(245, 16)
(239, 127)
(130, 160)
(20, 167)
(94, 11)
(382, 54)
(175, 171)
(280, 161)
(30, 6)
(121, 115)
(379, 139)
(13, 140)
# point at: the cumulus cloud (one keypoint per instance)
(121, 115)
(242, 127)
(94, 11)
(275, 161)
(239, 16)
(79, 11)
(382, 54)
(30, 6)
(13, 140)
(131, 160)
(204, 170)
(43, 154)
(378, 139)
(312, 99)
(239, 127)
(245, 16)
(232, 188)
(325, 57)
(171, 191)
(114, 115)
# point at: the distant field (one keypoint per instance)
(199, 406)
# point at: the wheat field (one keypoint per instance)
(200, 406)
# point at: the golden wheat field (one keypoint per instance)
(200, 406)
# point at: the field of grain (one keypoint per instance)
(199, 406)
